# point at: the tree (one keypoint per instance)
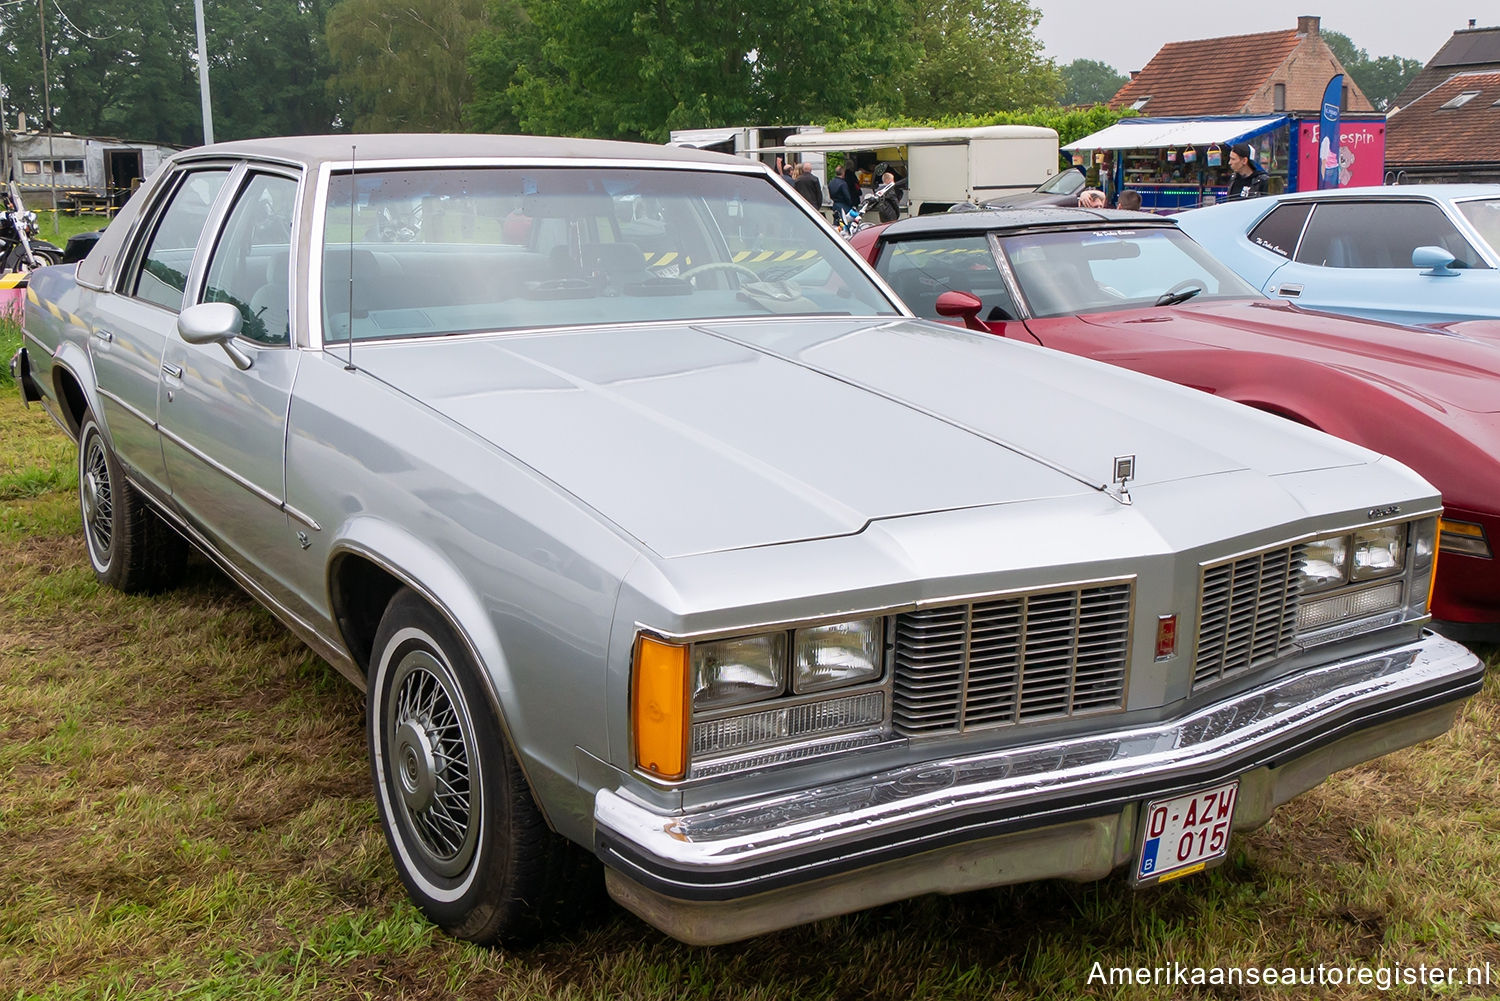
(128, 68)
(496, 55)
(974, 56)
(1382, 78)
(402, 65)
(1088, 81)
(639, 68)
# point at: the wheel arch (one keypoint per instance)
(74, 394)
(371, 561)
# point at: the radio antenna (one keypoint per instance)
(353, 197)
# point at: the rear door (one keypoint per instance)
(130, 330)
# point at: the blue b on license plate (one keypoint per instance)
(1183, 834)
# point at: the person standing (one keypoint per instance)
(838, 192)
(1130, 200)
(1247, 179)
(806, 183)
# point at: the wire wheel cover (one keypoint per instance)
(97, 500)
(431, 761)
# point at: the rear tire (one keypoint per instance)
(129, 546)
(469, 843)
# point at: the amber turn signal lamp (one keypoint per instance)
(658, 701)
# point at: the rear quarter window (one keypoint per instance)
(1280, 231)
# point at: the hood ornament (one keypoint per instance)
(1124, 473)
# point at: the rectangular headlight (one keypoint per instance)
(1325, 564)
(738, 671)
(832, 656)
(1379, 552)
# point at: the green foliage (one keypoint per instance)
(1382, 78)
(402, 65)
(496, 53)
(638, 69)
(129, 68)
(1070, 123)
(973, 56)
(1088, 81)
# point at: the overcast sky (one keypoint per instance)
(1126, 36)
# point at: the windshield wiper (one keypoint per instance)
(1176, 294)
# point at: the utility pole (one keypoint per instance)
(41, 13)
(208, 114)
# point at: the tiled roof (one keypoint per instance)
(1468, 49)
(1207, 76)
(1424, 132)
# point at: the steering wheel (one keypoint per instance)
(699, 269)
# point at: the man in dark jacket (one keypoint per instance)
(806, 183)
(1247, 179)
(838, 192)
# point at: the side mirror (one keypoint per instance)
(214, 323)
(962, 304)
(1436, 259)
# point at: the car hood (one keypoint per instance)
(1439, 368)
(731, 434)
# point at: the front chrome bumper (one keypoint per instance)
(1063, 809)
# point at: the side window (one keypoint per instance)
(251, 265)
(1278, 232)
(1379, 235)
(162, 271)
(921, 270)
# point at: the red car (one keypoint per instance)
(1133, 290)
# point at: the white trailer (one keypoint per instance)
(946, 166)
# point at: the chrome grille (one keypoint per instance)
(1248, 613)
(1010, 660)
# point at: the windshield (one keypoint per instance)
(448, 250)
(1484, 215)
(1067, 272)
(1068, 182)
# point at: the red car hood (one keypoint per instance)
(1438, 366)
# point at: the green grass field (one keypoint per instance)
(185, 813)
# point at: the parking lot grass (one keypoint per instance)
(185, 813)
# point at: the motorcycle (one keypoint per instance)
(20, 250)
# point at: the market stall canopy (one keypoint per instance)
(1154, 133)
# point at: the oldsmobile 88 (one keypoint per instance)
(652, 524)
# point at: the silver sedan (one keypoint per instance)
(665, 541)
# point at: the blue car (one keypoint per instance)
(1423, 253)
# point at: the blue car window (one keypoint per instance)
(1350, 234)
(1280, 231)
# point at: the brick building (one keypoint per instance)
(1271, 72)
(1447, 123)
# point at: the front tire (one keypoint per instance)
(470, 845)
(129, 547)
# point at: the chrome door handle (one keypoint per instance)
(1290, 291)
(103, 335)
(173, 370)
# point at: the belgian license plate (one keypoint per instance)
(1181, 835)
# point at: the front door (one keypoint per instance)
(223, 427)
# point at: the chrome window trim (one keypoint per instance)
(235, 184)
